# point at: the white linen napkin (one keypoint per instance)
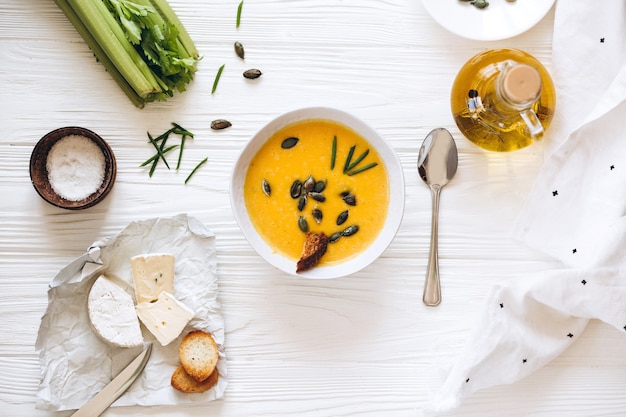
(575, 212)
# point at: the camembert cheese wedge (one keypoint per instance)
(152, 274)
(165, 318)
(112, 314)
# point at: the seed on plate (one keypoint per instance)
(296, 189)
(252, 74)
(220, 124)
(349, 198)
(302, 202)
(319, 186)
(350, 230)
(317, 215)
(303, 224)
(289, 143)
(239, 50)
(267, 190)
(309, 184)
(317, 196)
(343, 216)
(334, 237)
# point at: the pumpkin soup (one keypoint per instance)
(317, 176)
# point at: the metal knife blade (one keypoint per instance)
(114, 389)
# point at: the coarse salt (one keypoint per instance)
(75, 167)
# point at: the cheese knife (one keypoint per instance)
(114, 389)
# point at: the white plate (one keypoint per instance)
(500, 20)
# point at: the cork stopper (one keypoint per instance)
(521, 84)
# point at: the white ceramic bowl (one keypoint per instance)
(396, 194)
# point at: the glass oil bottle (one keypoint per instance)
(503, 99)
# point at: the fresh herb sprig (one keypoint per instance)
(239, 9)
(217, 78)
(350, 167)
(162, 149)
(193, 171)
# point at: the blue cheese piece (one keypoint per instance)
(112, 314)
(152, 274)
(165, 318)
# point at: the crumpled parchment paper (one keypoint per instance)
(76, 364)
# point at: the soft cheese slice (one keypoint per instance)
(165, 318)
(152, 274)
(112, 314)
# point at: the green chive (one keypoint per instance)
(364, 168)
(359, 159)
(239, 13)
(179, 130)
(196, 168)
(348, 159)
(153, 157)
(333, 153)
(159, 149)
(217, 78)
(180, 153)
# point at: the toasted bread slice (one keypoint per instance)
(314, 248)
(198, 354)
(182, 381)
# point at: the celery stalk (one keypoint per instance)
(164, 8)
(141, 43)
(100, 23)
(99, 53)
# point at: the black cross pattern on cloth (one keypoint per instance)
(555, 193)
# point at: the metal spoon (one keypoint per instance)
(436, 163)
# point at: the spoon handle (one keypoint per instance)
(432, 286)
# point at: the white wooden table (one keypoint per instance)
(363, 345)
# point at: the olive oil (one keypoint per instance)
(503, 99)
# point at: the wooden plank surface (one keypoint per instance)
(363, 345)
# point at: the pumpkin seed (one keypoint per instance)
(317, 215)
(334, 237)
(267, 190)
(239, 50)
(343, 216)
(302, 202)
(296, 189)
(319, 186)
(220, 124)
(252, 74)
(349, 198)
(350, 230)
(303, 224)
(309, 184)
(289, 143)
(317, 196)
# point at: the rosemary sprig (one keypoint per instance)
(196, 168)
(239, 8)
(333, 153)
(217, 78)
(363, 168)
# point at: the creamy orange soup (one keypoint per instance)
(276, 214)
